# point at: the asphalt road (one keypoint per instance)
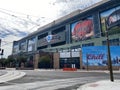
(58, 79)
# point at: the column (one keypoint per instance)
(36, 60)
(56, 63)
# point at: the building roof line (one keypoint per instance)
(66, 17)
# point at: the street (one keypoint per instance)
(55, 80)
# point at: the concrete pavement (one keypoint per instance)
(44, 85)
(56, 84)
(2, 72)
(11, 75)
(101, 85)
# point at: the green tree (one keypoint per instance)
(21, 60)
(9, 62)
(2, 62)
(44, 62)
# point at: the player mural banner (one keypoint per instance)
(97, 55)
(110, 18)
(82, 30)
(113, 17)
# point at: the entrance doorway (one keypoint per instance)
(30, 63)
(70, 62)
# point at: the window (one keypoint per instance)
(42, 47)
(88, 44)
(58, 44)
(113, 42)
(42, 36)
(58, 30)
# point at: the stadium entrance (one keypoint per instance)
(70, 62)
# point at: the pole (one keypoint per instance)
(109, 54)
(71, 55)
(109, 58)
(87, 64)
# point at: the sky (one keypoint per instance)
(18, 18)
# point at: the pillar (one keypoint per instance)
(81, 66)
(36, 60)
(56, 63)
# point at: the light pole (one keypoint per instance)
(109, 54)
(87, 63)
(71, 56)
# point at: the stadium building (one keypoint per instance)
(63, 39)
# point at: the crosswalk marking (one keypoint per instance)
(11, 75)
(46, 85)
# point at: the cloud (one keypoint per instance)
(7, 43)
(72, 5)
(19, 25)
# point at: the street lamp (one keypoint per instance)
(109, 55)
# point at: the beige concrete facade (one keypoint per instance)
(81, 66)
(36, 60)
(56, 57)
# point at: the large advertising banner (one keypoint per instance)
(97, 55)
(82, 30)
(56, 38)
(109, 18)
(52, 39)
(115, 55)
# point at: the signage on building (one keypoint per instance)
(97, 55)
(69, 54)
(51, 39)
(65, 55)
(113, 17)
(82, 30)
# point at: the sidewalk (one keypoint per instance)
(2, 72)
(101, 85)
(11, 75)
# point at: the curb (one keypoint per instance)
(101, 85)
(11, 75)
